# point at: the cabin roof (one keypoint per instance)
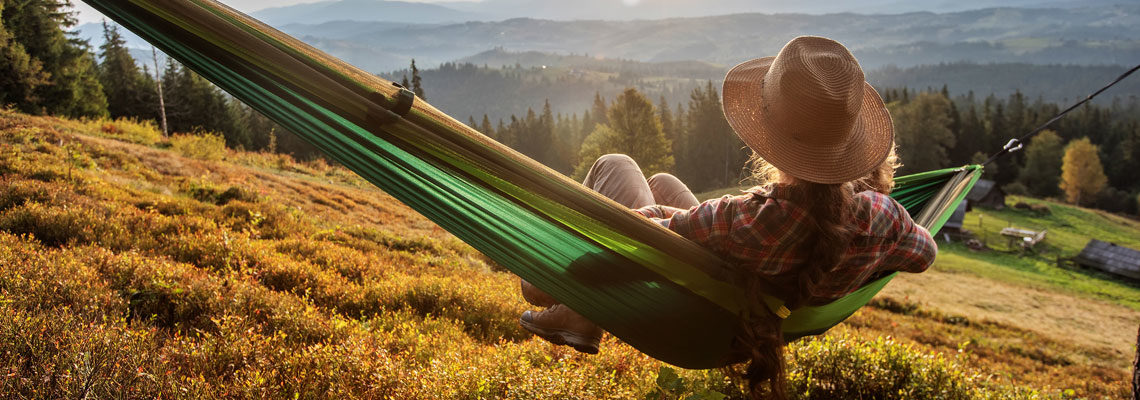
(1110, 257)
(981, 189)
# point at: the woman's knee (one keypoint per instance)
(671, 191)
(664, 182)
(614, 160)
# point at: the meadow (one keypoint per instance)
(136, 266)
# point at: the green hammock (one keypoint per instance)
(662, 294)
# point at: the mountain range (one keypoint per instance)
(1100, 35)
(1088, 36)
(364, 10)
(495, 10)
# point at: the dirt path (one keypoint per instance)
(1109, 329)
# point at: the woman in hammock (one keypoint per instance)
(820, 228)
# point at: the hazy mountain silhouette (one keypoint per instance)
(363, 10)
(1090, 36)
(494, 10)
(1108, 35)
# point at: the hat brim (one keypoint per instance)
(865, 148)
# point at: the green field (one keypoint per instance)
(133, 266)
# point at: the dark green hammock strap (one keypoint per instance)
(666, 296)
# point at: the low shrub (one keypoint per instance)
(65, 355)
(132, 130)
(237, 193)
(264, 220)
(1016, 189)
(207, 192)
(168, 208)
(58, 226)
(46, 280)
(16, 192)
(205, 146)
(840, 366)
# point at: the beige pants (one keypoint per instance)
(618, 177)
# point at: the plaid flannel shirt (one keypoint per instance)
(765, 232)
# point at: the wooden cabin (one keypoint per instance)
(954, 224)
(1108, 257)
(986, 194)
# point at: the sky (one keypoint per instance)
(88, 14)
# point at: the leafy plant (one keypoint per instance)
(206, 146)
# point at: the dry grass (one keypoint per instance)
(128, 271)
(1106, 332)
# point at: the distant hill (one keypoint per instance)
(677, 69)
(1090, 36)
(363, 10)
(1106, 35)
(614, 10)
(1052, 83)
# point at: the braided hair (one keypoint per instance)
(831, 209)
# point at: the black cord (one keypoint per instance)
(1015, 144)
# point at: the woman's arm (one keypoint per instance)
(658, 211)
(915, 249)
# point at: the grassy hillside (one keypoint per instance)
(131, 270)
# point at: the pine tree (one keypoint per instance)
(501, 133)
(969, 138)
(486, 127)
(712, 156)
(634, 130)
(1042, 171)
(666, 117)
(588, 122)
(679, 132)
(543, 132)
(73, 87)
(417, 83)
(194, 104)
(1082, 175)
(21, 75)
(599, 111)
(922, 132)
(126, 87)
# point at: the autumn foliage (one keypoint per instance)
(1082, 175)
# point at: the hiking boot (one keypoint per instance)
(561, 325)
(535, 296)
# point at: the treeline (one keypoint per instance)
(47, 70)
(500, 90)
(692, 140)
(933, 130)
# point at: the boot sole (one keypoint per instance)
(563, 337)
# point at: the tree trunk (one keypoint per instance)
(161, 101)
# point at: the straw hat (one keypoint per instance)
(809, 112)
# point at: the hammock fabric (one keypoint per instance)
(662, 294)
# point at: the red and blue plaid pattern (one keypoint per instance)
(767, 233)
